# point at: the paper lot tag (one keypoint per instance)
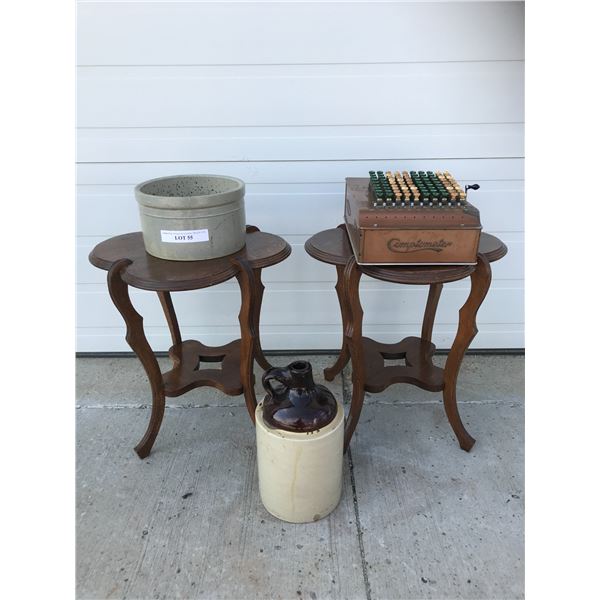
(184, 237)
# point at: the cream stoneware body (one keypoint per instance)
(300, 473)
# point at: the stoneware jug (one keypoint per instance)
(300, 438)
(295, 402)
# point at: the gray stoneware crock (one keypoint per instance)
(192, 217)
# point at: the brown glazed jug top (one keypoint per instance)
(295, 402)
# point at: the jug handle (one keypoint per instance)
(280, 375)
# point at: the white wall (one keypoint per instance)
(293, 98)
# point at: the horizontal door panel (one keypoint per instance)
(471, 92)
(225, 33)
(377, 142)
(298, 172)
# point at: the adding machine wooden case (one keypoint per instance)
(411, 222)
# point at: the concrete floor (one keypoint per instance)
(419, 518)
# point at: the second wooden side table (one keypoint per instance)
(128, 264)
(368, 356)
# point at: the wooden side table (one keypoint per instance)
(369, 372)
(128, 264)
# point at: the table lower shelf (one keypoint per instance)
(418, 369)
(186, 374)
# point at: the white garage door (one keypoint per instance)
(292, 98)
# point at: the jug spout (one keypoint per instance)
(301, 374)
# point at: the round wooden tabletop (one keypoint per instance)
(150, 273)
(333, 247)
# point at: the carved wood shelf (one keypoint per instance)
(186, 374)
(418, 369)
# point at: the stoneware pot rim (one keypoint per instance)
(177, 202)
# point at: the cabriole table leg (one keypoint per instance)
(435, 290)
(245, 277)
(353, 340)
(167, 305)
(344, 356)
(467, 330)
(119, 293)
(259, 290)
